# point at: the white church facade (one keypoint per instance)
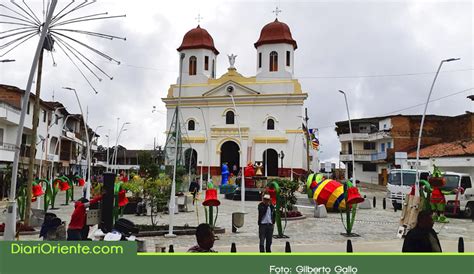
(264, 125)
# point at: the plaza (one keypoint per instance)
(377, 229)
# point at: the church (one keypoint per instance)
(236, 119)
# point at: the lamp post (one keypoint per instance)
(88, 177)
(122, 129)
(417, 183)
(208, 152)
(242, 164)
(352, 138)
(10, 222)
(292, 154)
(108, 149)
(172, 205)
(90, 152)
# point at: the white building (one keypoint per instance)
(55, 123)
(268, 106)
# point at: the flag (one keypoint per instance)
(314, 140)
(315, 143)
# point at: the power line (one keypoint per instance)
(413, 106)
(320, 77)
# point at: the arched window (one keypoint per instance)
(192, 65)
(229, 118)
(191, 125)
(273, 61)
(270, 124)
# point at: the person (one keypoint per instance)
(78, 229)
(52, 229)
(205, 239)
(422, 238)
(266, 220)
(194, 189)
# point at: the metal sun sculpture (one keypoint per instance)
(23, 24)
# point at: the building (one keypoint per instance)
(377, 139)
(264, 125)
(61, 141)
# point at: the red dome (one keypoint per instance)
(274, 33)
(198, 38)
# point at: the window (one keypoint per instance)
(273, 61)
(350, 147)
(1, 136)
(259, 60)
(213, 72)
(369, 167)
(206, 62)
(192, 65)
(229, 118)
(44, 116)
(389, 145)
(56, 119)
(191, 125)
(270, 124)
(287, 58)
(382, 147)
(369, 145)
(28, 108)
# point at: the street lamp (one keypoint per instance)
(417, 183)
(208, 152)
(88, 177)
(172, 203)
(352, 139)
(90, 151)
(10, 221)
(242, 181)
(122, 129)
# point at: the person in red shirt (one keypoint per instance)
(77, 229)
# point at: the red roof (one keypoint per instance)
(198, 38)
(451, 149)
(275, 32)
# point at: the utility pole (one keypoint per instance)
(35, 121)
(307, 139)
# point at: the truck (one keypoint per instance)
(398, 186)
(461, 203)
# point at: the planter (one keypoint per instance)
(24, 230)
(149, 231)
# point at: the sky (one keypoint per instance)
(383, 54)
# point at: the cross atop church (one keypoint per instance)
(277, 11)
(199, 18)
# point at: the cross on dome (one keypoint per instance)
(199, 18)
(277, 11)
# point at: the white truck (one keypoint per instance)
(398, 186)
(461, 203)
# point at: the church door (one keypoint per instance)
(230, 155)
(270, 162)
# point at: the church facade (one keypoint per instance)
(235, 119)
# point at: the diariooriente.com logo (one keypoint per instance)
(64, 248)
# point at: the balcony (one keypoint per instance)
(378, 135)
(359, 155)
(379, 156)
(357, 137)
(9, 114)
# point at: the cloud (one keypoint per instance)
(340, 38)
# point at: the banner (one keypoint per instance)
(121, 257)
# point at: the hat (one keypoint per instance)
(266, 196)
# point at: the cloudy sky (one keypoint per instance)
(382, 53)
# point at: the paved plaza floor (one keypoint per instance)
(377, 228)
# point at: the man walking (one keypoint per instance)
(422, 238)
(266, 219)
